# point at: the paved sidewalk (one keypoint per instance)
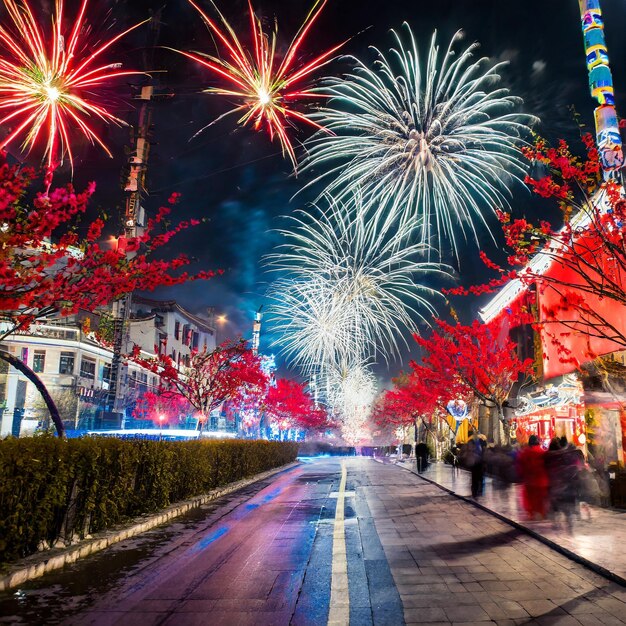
(455, 563)
(599, 540)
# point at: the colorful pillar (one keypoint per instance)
(608, 137)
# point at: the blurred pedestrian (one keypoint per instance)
(532, 471)
(472, 458)
(422, 454)
(564, 463)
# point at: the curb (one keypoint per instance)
(594, 567)
(36, 565)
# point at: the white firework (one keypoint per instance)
(354, 285)
(313, 326)
(440, 141)
(350, 394)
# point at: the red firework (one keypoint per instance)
(263, 86)
(49, 81)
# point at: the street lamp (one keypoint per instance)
(161, 420)
(221, 321)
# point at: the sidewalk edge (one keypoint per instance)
(36, 565)
(598, 569)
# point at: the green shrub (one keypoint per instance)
(54, 491)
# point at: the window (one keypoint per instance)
(39, 361)
(106, 372)
(132, 380)
(195, 340)
(162, 344)
(88, 368)
(177, 331)
(66, 363)
(25, 355)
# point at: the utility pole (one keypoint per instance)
(134, 217)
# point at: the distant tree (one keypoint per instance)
(289, 405)
(416, 398)
(48, 268)
(472, 360)
(230, 373)
(160, 409)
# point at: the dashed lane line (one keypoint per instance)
(339, 611)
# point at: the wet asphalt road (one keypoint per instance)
(329, 542)
(260, 556)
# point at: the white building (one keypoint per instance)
(76, 369)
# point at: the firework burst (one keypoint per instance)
(353, 285)
(350, 394)
(435, 140)
(264, 87)
(47, 81)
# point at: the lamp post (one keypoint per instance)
(161, 419)
(221, 321)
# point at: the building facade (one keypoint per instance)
(76, 368)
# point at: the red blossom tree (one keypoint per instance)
(290, 406)
(230, 373)
(578, 270)
(160, 409)
(48, 268)
(418, 398)
(463, 360)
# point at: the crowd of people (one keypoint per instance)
(556, 482)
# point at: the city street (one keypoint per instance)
(331, 541)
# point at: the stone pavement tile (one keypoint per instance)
(557, 620)
(583, 607)
(424, 615)
(590, 620)
(617, 592)
(484, 596)
(535, 608)
(513, 610)
(436, 600)
(414, 578)
(495, 585)
(493, 610)
(467, 613)
(520, 595)
(424, 589)
(613, 606)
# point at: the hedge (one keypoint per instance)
(53, 491)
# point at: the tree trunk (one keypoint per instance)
(504, 426)
(47, 398)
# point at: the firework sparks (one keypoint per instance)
(350, 394)
(264, 87)
(436, 141)
(47, 83)
(353, 287)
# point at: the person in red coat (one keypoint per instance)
(532, 469)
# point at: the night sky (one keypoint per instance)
(238, 179)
